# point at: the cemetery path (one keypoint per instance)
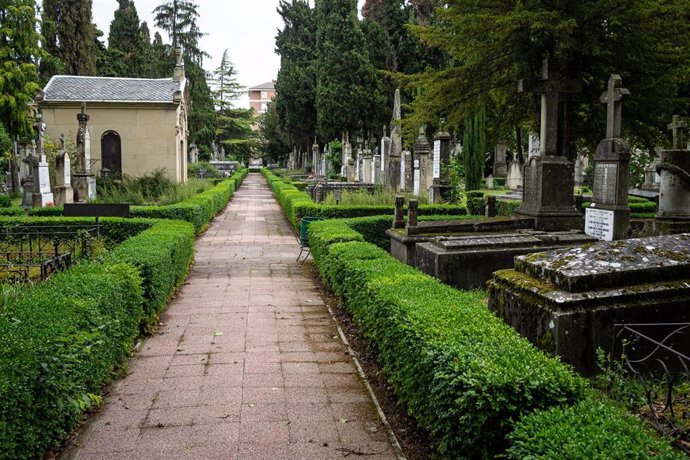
(247, 363)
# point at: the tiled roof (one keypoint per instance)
(264, 86)
(62, 88)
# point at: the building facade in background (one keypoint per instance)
(261, 95)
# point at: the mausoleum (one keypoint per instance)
(137, 125)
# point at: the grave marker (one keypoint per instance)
(63, 176)
(674, 191)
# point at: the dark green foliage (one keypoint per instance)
(639, 207)
(179, 19)
(349, 92)
(61, 340)
(591, 429)
(70, 35)
(295, 100)
(297, 204)
(476, 202)
(474, 148)
(203, 120)
(126, 36)
(162, 255)
(462, 373)
(211, 171)
(506, 207)
(274, 141)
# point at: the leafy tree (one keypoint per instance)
(19, 50)
(236, 134)
(226, 87)
(178, 18)
(70, 35)
(110, 62)
(159, 57)
(349, 94)
(494, 44)
(295, 100)
(126, 36)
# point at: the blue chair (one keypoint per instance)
(304, 236)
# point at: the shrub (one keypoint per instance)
(590, 429)
(460, 371)
(475, 202)
(162, 255)
(5, 201)
(507, 207)
(210, 170)
(61, 340)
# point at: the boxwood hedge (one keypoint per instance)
(297, 204)
(462, 373)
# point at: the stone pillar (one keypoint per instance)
(82, 171)
(43, 195)
(417, 178)
(384, 158)
(533, 145)
(411, 227)
(409, 171)
(421, 151)
(378, 174)
(398, 220)
(440, 164)
(367, 165)
(315, 158)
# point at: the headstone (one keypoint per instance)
(43, 195)
(348, 172)
(548, 178)
(367, 164)
(608, 217)
(315, 161)
(63, 191)
(490, 182)
(533, 145)
(398, 218)
(500, 162)
(515, 180)
(194, 153)
(411, 227)
(652, 179)
(674, 191)
(421, 152)
(440, 165)
(358, 166)
(27, 180)
(408, 182)
(384, 152)
(378, 173)
(417, 177)
(568, 301)
(392, 167)
(403, 172)
(323, 169)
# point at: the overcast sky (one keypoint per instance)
(246, 28)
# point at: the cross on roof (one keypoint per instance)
(679, 128)
(612, 98)
(551, 86)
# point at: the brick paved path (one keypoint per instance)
(247, 364)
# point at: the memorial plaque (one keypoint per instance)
(605, 186)
(437, 160)
(599, 223)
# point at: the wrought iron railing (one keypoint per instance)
(27, 251)
(657, 356)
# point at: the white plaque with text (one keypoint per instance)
(437, 159)
(599, 223)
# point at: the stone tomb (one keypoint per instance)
(567, 301)
(467, 262)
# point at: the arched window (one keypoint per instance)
(111, 153)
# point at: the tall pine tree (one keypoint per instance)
(70, 35)
(295, 100)
(349, 94)
(178, 18)
(126, 36)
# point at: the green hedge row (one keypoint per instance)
(639, 207)
(114, 229)
(462, 373)
(297, 204)
(62, 339)
(198, 210)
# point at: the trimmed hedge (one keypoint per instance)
(475, 202)
(591, 429)
(63, 338)
(114, 229)
(162, 256)
(198, 210)
(507, 207)
(297, 204)
(460, 371)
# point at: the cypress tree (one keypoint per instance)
(126, 36)
(473, 149)
(70, 35)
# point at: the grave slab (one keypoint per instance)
(567, 301)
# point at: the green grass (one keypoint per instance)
(151, 189)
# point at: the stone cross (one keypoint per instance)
(679, 128)
(550, 87)
(82, 118)
(612, 98)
